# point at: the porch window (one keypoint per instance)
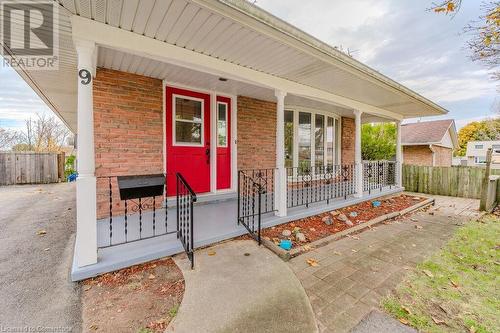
(319, 140)
(221, 124)
(304, 139)
(288, 139)
(311, 138)
(188, 121)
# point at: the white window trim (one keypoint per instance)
(314, 112)
(174, 121)
(227, 127)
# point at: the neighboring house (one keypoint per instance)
(429, 143)
(476, 153)
(223, 93)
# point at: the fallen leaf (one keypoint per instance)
(151, 277)
(312, 262)
(93, 327)
(87, 287)
(454, 284)
(438, 321)
(419, 227)
(353, 250)
(337, 253)
(211, 253)
(41, 232)
(404, 321)
(406, 309)
(46, 249)
(428, 273)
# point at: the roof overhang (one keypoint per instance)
(229, 38)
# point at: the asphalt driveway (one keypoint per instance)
(35, 289)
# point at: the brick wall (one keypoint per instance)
(128, 130)
(348, 128)
(256, 133)
(417, 155)
(442, 156)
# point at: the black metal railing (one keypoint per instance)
(185, 200)
(310, 184)
(378, 174)
(132, 219)
(255, 197)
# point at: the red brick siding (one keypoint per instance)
(256, 133)
(128, 130)
(348, 128)
(442, 156)
(417, 155)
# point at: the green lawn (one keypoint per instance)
(457, 289)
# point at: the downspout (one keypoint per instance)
(433, 155)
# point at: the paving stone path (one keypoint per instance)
(355, 274)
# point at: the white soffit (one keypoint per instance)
(221, 29)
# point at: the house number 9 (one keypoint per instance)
(85, 76)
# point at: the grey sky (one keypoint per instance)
(420, 49)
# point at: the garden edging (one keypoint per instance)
(287, 255)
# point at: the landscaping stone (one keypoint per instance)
(300, 237)
(342, 217)
(334, 213)
(349, 223)
(286, 233)
(327, 220)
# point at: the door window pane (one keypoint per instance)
(188, 121)
(304, 140)
(330, 141)
(288, 139)
(319, 140)
(187, 132)
(187, 109)
(222, 125)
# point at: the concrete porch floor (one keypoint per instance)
(213, 222)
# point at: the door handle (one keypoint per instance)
(207, 154)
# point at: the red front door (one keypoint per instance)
(223, 113)
(188, 139)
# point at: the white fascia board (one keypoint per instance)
(115, 38)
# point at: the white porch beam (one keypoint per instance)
(86, 217)
(399, 156)
(357, 155)
(116, 38)
(280, 182)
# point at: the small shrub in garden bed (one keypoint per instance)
(329, 223)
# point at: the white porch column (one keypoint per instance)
(280, 179)
(357, 155)
(86, 222)
(399, 156)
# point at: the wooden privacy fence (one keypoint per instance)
(31, 168)
(455, 181)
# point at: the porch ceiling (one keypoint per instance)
(235, 32)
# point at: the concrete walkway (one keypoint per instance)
(355, 274)
(238, 286)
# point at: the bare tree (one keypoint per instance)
(43, 134)
(8, 138)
